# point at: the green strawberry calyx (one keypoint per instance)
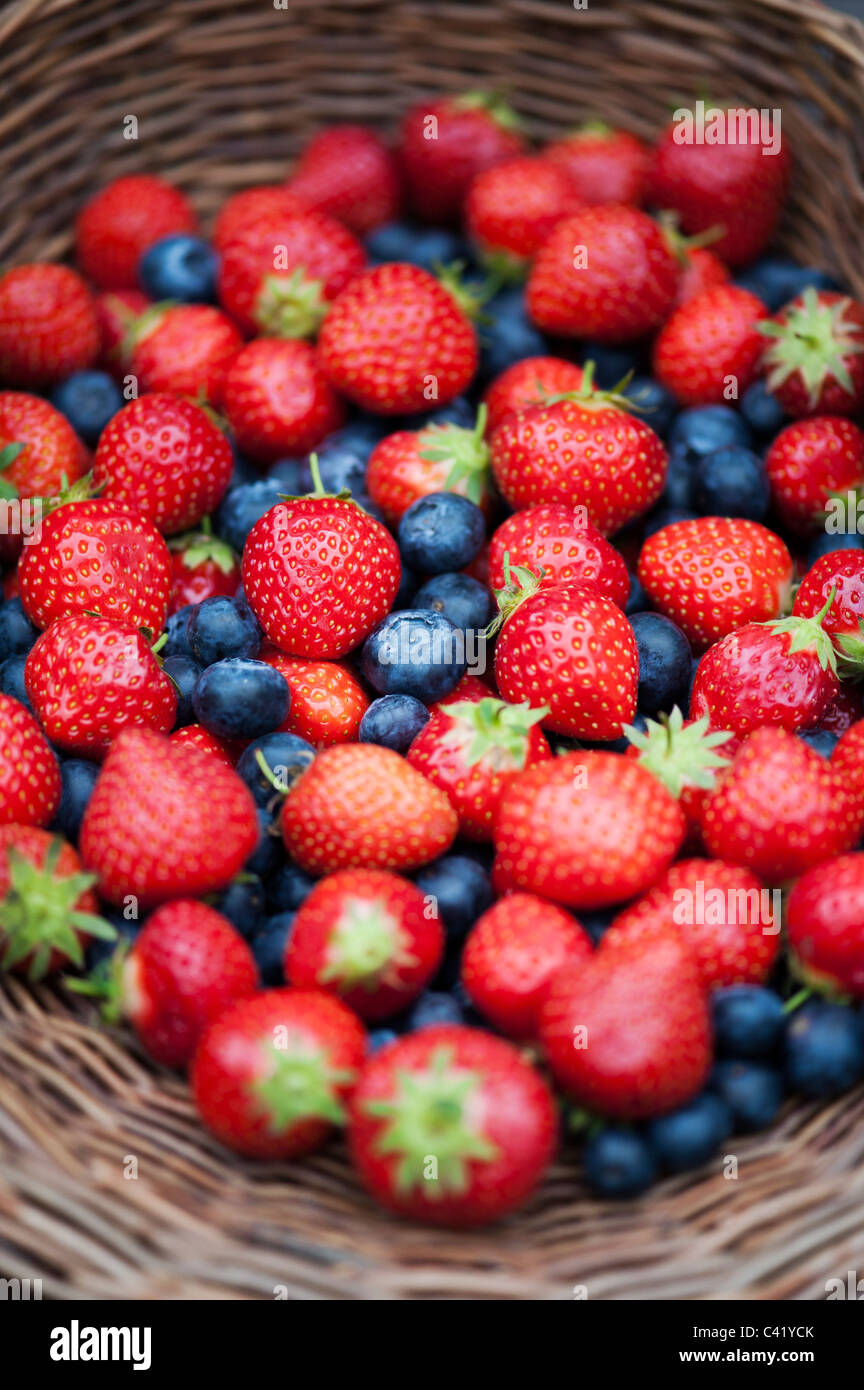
(681, 245)
(8, 455)
(432, 1128)
(815, 341)
(591, 397)
(808, 634)
(465, 450)
(492, 731)
(142, 325)
(470, 297)
(107, 983)
(493, 103)
(199, 547)
(679, 755)
(367, 948)
(520, 583)
(319, 492)
(39, 913)
(290, 306)
(297, 1083)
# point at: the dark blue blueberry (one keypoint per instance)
(434, 1006)
(461, 889)
(822, 741)
(180, 267)
(185, 674)
(429, 247)
(369, 506)
(688, 1137)
(381, 1037)
(394, 722)
(243, 506)
(241, 698)
(749, 1021)
(288, 888)
(456, 412)
(268, 947)
(77, 778)
(12, 679)
(824, 1049)
(465, 601)
(242, 903)
(701, 429)
(618, 1162)
(441, 532)
(611, 364)
(762, 411)
(88, 400)
(415, 652)
(679, 489)
(637, 600)
(406, 591)
(510, 336)
(268, 853)
(177, 633)
(223, 627)
(824, 544)
(341, 468)
(664, 663)
(653, 402)
(775, 281)
(752, 1091)
(17, 633)
(597, 922)
(732, 482)
(289, 473)
(361, 434)
(286, 756)
(665, 516)
(244, 470)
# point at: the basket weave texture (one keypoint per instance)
(225, 92)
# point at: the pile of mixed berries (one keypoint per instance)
(429, 665)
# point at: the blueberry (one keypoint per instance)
(17, 633)
(752, 1091)
(268, 853)
(286, 756)
(180, 267)
(242, 902)
(394, 722)
(288, 888)
(289, 473)
(664, 662)
(597, 922)
(268, 947)
(611, 364)
(679, 488)
(776, 281)
(688, 1137)
(244, 470)
(433, 1006)
(465, 601)
(618, 1162)
(824, 544)
(637, 599)
(701, 429)
(510, 336)
(243, 506)
(361, 434)
(428, 247)
(12, 679)
(732, 482)
(666, 516)
(824, 1049)
(381, 1037)
(441, 532)
(241, 698)
(184, 673)
(762, 411)
(459, 411)
(177, 633)
(416, 652)
(749, 1021)
(406, 591)
(822, 741)
(88, 400)
(461, 890)
(77, 778)
(653, 403)
(221, 628)
(341, 468)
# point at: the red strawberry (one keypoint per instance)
(628, 1033)
(397, 341)
(121, 221)
(348, 172)
(272, 1073)
(47, 909)
(242, 210)
(96, 556)
(199, 737)
(847, 760)
(451, 1126)
(587, 830)
(529, 382)
(837, 579)
(202, 567)
(359, 806)
(780, 808)
(319, 574)
(712, 575)
(52, 454)
(512, 208)
(472, 750)
(824, 915)
(165, 457)
(814, 363)
(510, 955)
(558, 542)
(368, 936)
(845, 709)
(808, 463)
(89, 677)
(148, 828)
(739, 185)
(48, 325)
(29, 775)
(710, 346)
(703, 270)
(278, 401)
(279, 274)
(607, 273)
(444, 144)
(411, 464)
(721, 911)
(116, 312)
(184, 348)
(469, 688)
(584, 450)
(327, 700)
(187, 965)
(684, 756)
(607, 166)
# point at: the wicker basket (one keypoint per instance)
(224, 92)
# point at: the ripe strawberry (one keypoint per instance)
(703, 270)
(837, 580)
(628, 1033)
(709, 344)
(272, 1073)
(119, 222)
(368, 936)
(327, 700)
(587, 830)
(116, 312)
(824, 914)
(360, 806)
(814, 363)
(444, 144)
(510, 955)
(319, 574)
(512, 209)
(845, 709)
(684, 756)
(166, 458)
(583, 450)
(529, 382)
(96, 556)
(473, 750)
(52, 455)
(47, 909)
(809, 462)
(722, 913)
(89, 677)
(397, 341)
(557, 542)
(847, 760)
(148, 828)
(606, 273)
(348, 172)
(570, 650)
(712, 575)
(29, 775)
(470, 687)
(48, 325)
(278, 401)
(198, 737)
(780, 808)
(411, 464)
(279, 274)
(184, 348)
(607, 166)
(451, 1126)
(735, 184)
(242, 210)
(202, 567)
